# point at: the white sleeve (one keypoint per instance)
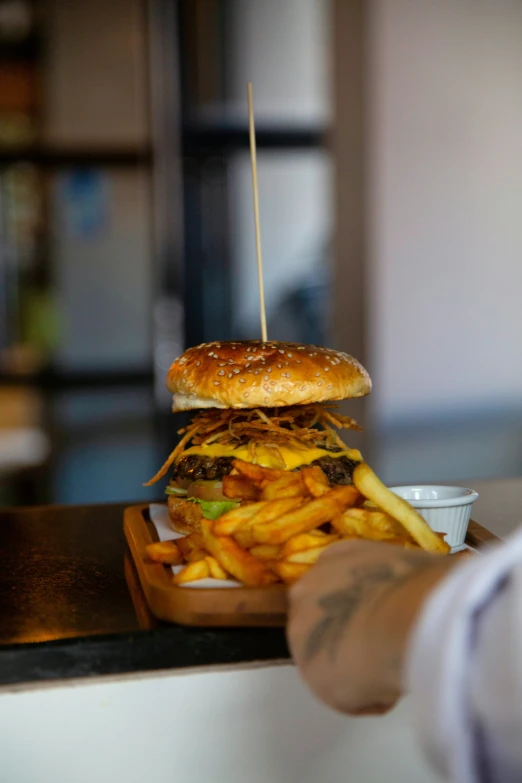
(464, 669)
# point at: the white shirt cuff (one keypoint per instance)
(439, 663)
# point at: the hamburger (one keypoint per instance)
(268, 403)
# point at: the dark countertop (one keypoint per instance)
(71, 605)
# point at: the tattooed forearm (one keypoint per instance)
(339, 606)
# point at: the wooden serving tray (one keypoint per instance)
(213, 607)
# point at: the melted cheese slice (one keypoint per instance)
(268, 457)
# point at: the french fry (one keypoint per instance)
(309, 556)
(379, 520)
(164, 552)
(188, 543)
(240, 487)
(353, 526)
(215, 569)
(309, 516)
(406, 543)
(289, 485)
(315, 480)
(373, 489)
(244, 537)
(276, 534)
(184, 546)
(356, 527)
(374, 525)
(234, 559)
(256, 513)
(195, 555)
(274, 509)
(266, 552)
(290, 572)
(238, 517)
(304, 541)
(192, 573)
(257, 473)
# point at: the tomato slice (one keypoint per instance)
(206, 490)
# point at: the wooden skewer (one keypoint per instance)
(256, 211)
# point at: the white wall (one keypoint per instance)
(256, 725)
(282, 47)
(446, 198)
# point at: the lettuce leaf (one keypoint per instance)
(177, 491)
(213, 509)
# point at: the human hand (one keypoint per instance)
(350, 619)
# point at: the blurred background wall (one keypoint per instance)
(390, 174)
(445, 238)
(444, 235)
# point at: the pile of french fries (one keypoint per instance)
(285, 522)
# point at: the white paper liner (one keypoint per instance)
(160, 517)
(462, 548)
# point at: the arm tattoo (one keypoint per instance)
(339, 606)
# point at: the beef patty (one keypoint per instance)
(338, 470)
(196, 467)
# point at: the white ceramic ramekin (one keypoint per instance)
(445, 509)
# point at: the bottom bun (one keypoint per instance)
(185, 517)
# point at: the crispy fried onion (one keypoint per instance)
(303, 425)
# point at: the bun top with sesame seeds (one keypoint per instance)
(252, 374)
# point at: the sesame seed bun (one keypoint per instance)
(253, 374)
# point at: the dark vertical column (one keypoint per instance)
(349, 150)
(207, 281)
(349, 158)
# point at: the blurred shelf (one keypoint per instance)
(215, 137)
(27, 50)
(103, 157)
(22, 448)
(53, 379)
(196, 139)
